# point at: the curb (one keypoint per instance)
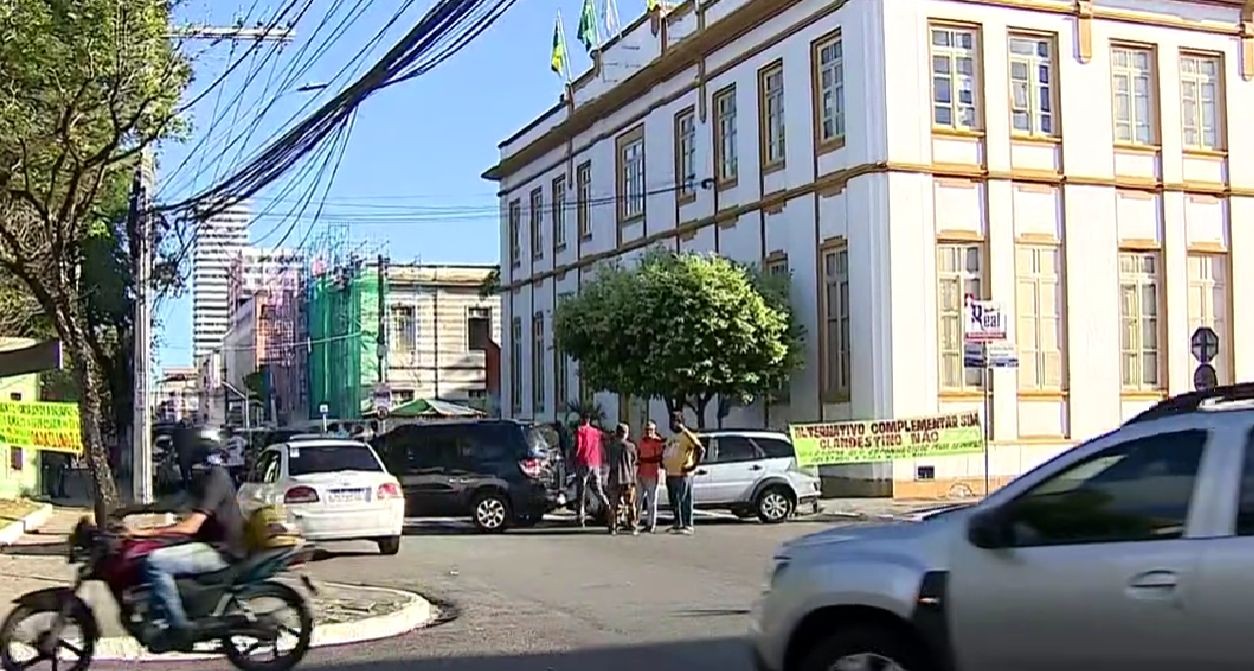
(31, 522)
(417, 613)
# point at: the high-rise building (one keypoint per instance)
(218, 239)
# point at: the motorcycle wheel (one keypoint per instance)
(79, 616)
(282, 660)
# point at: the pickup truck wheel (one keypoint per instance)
(865, 649)
(775, 504)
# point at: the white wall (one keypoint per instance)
(927, 186)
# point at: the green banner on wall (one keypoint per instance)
(886, 439)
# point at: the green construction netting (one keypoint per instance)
(343, 333)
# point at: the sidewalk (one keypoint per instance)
(342, 613)
(875, 509)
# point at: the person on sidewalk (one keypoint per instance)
(651, 446)
(215, 528)
(683, 454)
(589, 457)
(623, 460)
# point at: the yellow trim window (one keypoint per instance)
(830, 75)
(1140, 307)
(955, 78)
(1032, 85)
(1199, 100)
(1132, 85)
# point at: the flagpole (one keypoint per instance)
(561, 30)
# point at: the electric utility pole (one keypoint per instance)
(141, 222)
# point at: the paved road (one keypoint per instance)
(553, 599)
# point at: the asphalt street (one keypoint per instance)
(558, 598)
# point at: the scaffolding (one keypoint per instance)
(340, 322)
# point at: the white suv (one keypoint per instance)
(752, 472)
(1131, 551)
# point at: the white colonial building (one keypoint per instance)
(1077, 161)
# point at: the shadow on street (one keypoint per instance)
(723, 654)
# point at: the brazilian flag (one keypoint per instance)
(559, 48)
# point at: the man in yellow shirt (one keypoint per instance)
(683, 453)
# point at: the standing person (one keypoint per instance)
(651, 446)
(683, 454)
(589, 457)
(624, 461)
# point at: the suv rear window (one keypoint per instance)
(302, 460)
(775, 448)
(537, 444)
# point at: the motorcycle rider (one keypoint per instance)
(214, 526)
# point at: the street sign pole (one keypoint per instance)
(987, 374)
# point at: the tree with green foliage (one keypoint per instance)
(85, 87)
(686, 328)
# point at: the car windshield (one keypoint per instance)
(306, 460)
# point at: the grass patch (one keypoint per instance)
(16, 509)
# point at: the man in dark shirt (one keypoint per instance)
(215, 526)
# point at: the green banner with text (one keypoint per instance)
(41, 426)
(886, 439)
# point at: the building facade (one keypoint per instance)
(271, 280)
(218, 239)
(1069, 160)
(176, 396)
(440, 327)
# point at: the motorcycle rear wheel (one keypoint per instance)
(79, 616)
(293, 601)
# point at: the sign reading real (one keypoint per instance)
(886, 439)
(41, 426)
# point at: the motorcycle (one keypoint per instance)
(217, 603)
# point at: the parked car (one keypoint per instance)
(497, 472)
(751, 472)
(335, 490)
(1130, 551)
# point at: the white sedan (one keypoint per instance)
(333, 490)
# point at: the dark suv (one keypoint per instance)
(497, 472)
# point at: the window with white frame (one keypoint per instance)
(561, 369)
(686, 152)
(537, 226)
(1208, 305)
(1033, 89)
(1199, 96)
(1132, 88)
(836, 377)
(538, 364)
(478, 328)
(631, 189)
(955, 77)
(559, 212)
(515, 366)
(829, 64)
(583, 194)
(515, 232)
(1039, 304)
(404, 335)
(771, 95)
(960, 274)
(1140, 304)
(726, 155)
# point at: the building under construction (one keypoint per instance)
(342, 319)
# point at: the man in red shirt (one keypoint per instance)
(589, 458)
(650, 448)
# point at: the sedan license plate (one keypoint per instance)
(346, 495)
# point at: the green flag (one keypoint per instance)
(559, 48)
(588, 33)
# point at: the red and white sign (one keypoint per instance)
(985, 322)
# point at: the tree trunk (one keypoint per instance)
(95, 451)
(700, 405)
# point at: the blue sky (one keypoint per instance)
(409, 177)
